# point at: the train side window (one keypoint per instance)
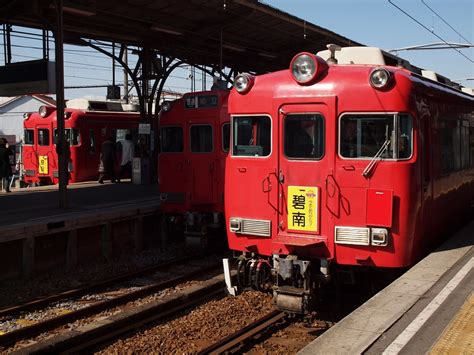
(450, 146)
(75, 136)
(171, 139)
(226, 137)
(363, 135)
(304, 136)
(29, 136)
(43, 136)
(201, 139)
(405, 134)
(91, 141)
(465, 144)
(251, 136)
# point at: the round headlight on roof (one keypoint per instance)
(380, 78)
(243, 82)
(43, 111)
(306, 67)
(166, 106)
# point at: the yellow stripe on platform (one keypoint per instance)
(458, 337)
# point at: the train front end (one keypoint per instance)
(194, 135)
(299, 203)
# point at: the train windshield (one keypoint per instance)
(29, 136)
(251, 136)
(201, 139)
(304, 136)
(73, 136)
(171, 139)
(363, 135)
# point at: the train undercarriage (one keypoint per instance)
(298, 284)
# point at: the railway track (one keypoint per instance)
(238, 339)
(103, 300)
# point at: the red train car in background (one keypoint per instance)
(356, 163)
(194, 135)
(87, 125)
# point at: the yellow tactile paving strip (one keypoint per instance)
(458, 337)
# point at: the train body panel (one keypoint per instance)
(85, 131)
(342, 173)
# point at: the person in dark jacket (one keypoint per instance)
(5, 167)
(107, 160)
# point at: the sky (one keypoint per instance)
(371, 22)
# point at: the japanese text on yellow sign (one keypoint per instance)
(303, 208)
(43, 164)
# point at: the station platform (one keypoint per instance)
(429, 309)
(33, 203)
(100, 221)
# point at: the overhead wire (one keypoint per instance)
(446, 22)
(431, 31)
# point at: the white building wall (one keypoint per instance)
(11, 115)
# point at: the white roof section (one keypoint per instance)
(356, 55)
(94, 105)
(469, 91)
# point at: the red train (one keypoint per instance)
(194, 143)
(338, 166)
(87, 125)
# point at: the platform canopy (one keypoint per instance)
(245, 35)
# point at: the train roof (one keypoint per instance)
(97, 105)
(377, 56)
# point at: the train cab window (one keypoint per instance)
(72, 136)
(304, 136)
(201, 139)
(225, 137)
(29, 136)
(369, 135)
(43, 136)
(251, 136)
(171, 139)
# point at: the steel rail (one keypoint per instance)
(244, 334)
(40, 302)
(41, 327)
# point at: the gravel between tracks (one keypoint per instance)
(197, 329)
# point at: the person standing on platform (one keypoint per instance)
(128, 152)
(5, 167)
(107, 160)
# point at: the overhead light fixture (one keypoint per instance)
(233, 48)
(80, 12)
(165, 30)
(267, 55)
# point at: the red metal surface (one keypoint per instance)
(379, 207)
(420, 203)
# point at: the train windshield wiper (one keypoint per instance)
(376, 157)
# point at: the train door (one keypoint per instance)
(44, 151)
(303, 168)
(202, 162)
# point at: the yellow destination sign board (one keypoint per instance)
(303, 208)
(43, 164)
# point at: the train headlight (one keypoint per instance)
(166, 106)
(67, 115)
(306, 67)
(379, 237)
(380, 78)
(44, 111)
(234, 225)
(243, 82)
